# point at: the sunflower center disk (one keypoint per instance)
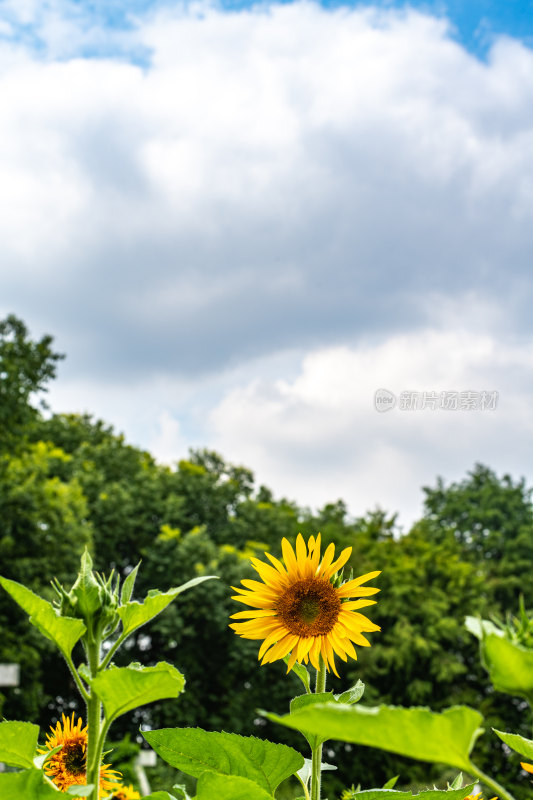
(74, 758)
(309, 607)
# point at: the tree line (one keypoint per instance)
(68, 481)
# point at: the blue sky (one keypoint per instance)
(240, 223)
(475, 23)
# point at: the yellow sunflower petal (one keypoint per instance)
(289, 558)
(339, 563)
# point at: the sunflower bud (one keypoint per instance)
(92, 598)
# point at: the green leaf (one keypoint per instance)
(27, 785)
(82, 790)
(193, 751)
(63, 631)
(160, 796)
(321, 698)
(181, 792)
(391, 783)
(18, 742)
(352, 695)
(224, 787)
(122, 689)
(304, 700)
(429, 794)
(127, 586)
(445, 738)
(457, 781)
(517, 743)
(305, 771)
(510, 665)
(134, 614)
(40, 760)
(301, 672)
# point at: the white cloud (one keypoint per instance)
(350, 185)
(318, 436)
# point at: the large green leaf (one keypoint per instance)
(18, 742)
(134, 614)
(430, 794)
(517, 743)
(349, 697)
(510, 665)
(63, 631)
(223, 787)
(193, 751)
(445, 738)
(122, 689)
(27, 785)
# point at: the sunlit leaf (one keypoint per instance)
(430, 794)
(391, 783)
(41, 759)
(160, 796)
(122, 689)
(445, 738)
(510, 665)
(128, 585)
(352, 695)
(305, 771)
(193, 751)
(18, 742)
(457, 781)
(27, 785)
(134, 614)
(181, 792)
(517, 743)
(63, 631)
(224, 787)
(80, 790)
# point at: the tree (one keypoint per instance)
(491, 518)
(43, 531)
(26, 366)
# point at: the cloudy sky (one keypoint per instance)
(239, 222)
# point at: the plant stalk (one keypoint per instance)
(94, 723)
(496, 787)
(316, 752)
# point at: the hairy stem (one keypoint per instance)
(94, 723)
(316, 752)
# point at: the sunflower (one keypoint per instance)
(297, 609)
(125, 793)
(476, 796)
(527, 767)
(68, 766)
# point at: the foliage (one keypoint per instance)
(25, 368)
(91, 613)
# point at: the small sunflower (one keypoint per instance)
(298, 610)
(477, 796)
(125, 793)
(68, 766)
(527, 767)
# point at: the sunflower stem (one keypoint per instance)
(94, 722)
(316, 752)
(502, 793)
